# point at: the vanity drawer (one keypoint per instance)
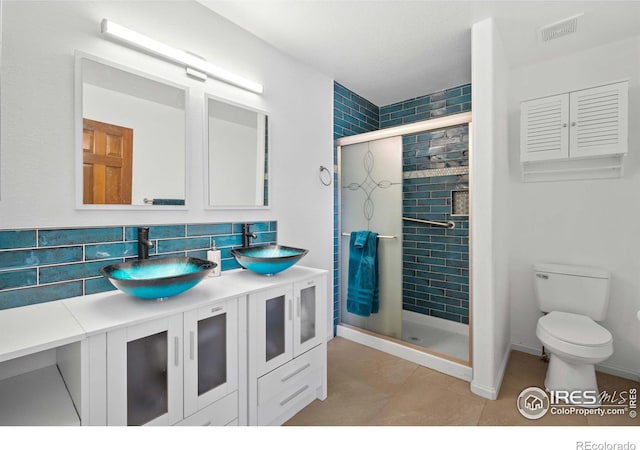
(289, 374)
(282, 406)
(222, 412)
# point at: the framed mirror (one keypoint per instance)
(131, 138)
(237, 155)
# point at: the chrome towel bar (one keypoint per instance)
(380, 236)
(449, 224)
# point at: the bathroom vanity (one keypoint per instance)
(239, 349)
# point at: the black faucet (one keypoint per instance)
(143, 243)
(247, 235)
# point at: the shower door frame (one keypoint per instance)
(350, 331)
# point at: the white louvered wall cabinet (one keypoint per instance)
(575, 135)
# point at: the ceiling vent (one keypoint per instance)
(559, 29)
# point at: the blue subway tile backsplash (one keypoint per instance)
(18, 278)
(202, 229)
(39, 294)
(41, 265)
(36, 257)
(17, 239)
(58, 237)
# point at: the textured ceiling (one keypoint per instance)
(389, 51)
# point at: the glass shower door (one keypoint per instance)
(371, 199)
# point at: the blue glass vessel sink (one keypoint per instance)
(268, 259)
(157, 277)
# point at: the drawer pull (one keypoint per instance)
(294, 395)
(295, 372)
(216, 309)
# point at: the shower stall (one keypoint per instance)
(410, 185)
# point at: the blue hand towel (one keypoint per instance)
(362, 288)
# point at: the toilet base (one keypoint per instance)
(578, 379)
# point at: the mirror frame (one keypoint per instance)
(268, 156)
(78, 122)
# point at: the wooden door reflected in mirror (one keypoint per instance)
(107, 163)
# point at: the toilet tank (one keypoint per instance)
(573, 289)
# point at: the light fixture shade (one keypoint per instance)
(136, 39)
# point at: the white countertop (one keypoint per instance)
(33, 328)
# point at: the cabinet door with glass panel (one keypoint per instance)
(307, 321)
(271, 327)
(210, 354)
(286, 322)
(144, 373)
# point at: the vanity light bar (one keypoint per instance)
(136, 39)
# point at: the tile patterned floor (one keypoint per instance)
(369, 387)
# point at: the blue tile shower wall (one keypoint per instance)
(436, 279)
(435, 266)
(442, 103)
(352, 114)
(41, 265)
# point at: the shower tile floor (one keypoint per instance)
(370, 387)
(438, 340)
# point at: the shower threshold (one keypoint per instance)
(440, 336)
(442, 363)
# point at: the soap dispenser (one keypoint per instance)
(213, 255)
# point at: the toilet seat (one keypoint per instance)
(575, 336)
(575, 329)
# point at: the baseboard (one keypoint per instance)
(618, 372)
(604, 367)
(527, 349)
(491, 392)
(487, 392)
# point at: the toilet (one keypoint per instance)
(574, 298)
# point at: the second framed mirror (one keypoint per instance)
(237, 153)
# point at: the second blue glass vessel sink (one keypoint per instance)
(268, 259)
(156, 278)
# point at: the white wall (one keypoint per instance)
(489, 212)
(38, 186)
(595, 223)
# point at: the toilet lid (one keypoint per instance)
(575, 329)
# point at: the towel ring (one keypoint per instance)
(323, 179)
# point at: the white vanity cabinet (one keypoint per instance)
(162, 371)
(211, 363)
(235, 350)
(287, 349)
(43, 367)
(144, 373)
